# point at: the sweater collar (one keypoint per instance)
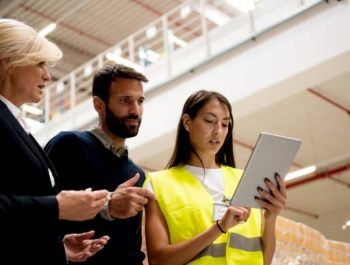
(108, 143)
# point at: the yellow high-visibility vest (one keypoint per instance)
(188, 210)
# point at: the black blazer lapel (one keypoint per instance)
(44, 156)
(22, 135)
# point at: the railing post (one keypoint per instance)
(251, 22)
(166, 45)
(131, 48)
(72, 85)
(202, 4)
(100, 61)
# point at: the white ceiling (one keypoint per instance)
(324, 125)
(318, 115)
(86, 27)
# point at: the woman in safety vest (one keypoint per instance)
(191, 221)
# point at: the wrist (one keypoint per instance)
(220, 228)
(270, 218)
(105, 212)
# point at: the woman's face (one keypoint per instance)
(208, 130)
(28, 83)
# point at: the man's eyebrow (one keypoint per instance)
(129, 96)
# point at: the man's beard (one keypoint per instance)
(119, 127)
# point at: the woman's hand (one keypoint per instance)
(233, 216)
(79, 247)
(274, 200)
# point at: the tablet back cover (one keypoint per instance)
(272, 153)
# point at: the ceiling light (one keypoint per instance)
(212, 13)
(151, 32)
(117, 59)
(346, 225)
(300, 172)
(185, 11)
(242, 5)
(48, 29)
(216, 16)
(88, 70)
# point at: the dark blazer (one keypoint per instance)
(29, 226)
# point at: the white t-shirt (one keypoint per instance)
(211, 178)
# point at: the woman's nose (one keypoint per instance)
(46, 74)
(217, 128)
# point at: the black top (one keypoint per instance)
(82, 161)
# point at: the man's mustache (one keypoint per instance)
(132, 117)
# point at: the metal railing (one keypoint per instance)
(180, 40)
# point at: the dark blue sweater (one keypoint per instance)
(83, 162)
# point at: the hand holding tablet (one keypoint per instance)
(272, 154)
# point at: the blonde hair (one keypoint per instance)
(21, 45)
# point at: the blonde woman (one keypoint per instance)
(30, 209)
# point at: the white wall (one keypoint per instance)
(306, 50)
(299, 54)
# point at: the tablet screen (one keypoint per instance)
(272, 153)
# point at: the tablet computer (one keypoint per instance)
(272, 153)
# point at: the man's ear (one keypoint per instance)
(99, 105)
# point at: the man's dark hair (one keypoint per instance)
(111, 72)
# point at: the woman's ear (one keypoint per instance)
(186, 121)
(4, 68)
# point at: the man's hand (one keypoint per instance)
(81, 205)
(127, 200)
(79, 247)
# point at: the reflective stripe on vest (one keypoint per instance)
(236, 241)
(214, 250)
(244, 243)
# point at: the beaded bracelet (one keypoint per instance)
(220, 228)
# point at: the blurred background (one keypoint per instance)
(284, 65)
